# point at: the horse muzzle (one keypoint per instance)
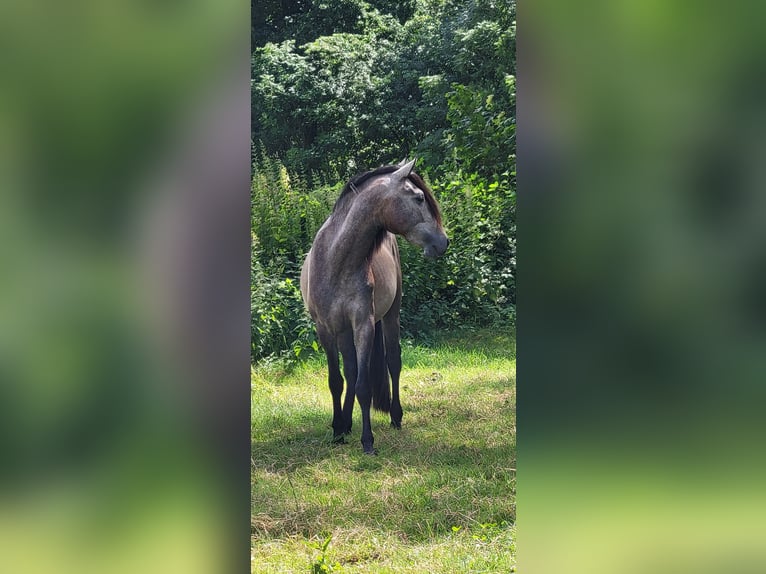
(436, 247)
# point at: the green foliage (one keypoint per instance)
(369, 88)
(285, 216)
(482, 134)
(474, 282)
(322, 563)
(279, 324)
(306, 20)
(286, 212)
(323, 105)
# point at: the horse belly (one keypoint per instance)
(385, 273)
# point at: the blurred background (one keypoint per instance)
(641, 287)
(124, 286)
(124, 326)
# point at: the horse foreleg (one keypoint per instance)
(335, 381)
(364, 336)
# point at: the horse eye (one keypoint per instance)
(419, 198)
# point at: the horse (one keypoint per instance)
(351, 284)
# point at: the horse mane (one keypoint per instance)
(351, 187)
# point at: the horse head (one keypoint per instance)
(410, 210)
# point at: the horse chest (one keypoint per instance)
(371, 299)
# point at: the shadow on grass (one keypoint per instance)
(288, 443)
(452, 463)
(307, 437)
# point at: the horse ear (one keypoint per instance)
(403, 172)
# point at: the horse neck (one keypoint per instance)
(355, 234)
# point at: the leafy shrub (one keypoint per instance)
(474, 283)
(279, 324)
(285, 215)
(286, 212)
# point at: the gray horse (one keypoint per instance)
(351, 284)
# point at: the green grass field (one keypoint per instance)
(440, 495)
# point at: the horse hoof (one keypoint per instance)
(396, 425)
(372, 452)
(340, 439)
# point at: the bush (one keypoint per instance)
(286, 211)
(474, 283)
(279, 324)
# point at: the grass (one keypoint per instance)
(439, 497)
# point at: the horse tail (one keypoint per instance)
(381, 390)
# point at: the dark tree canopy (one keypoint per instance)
(345, 84)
